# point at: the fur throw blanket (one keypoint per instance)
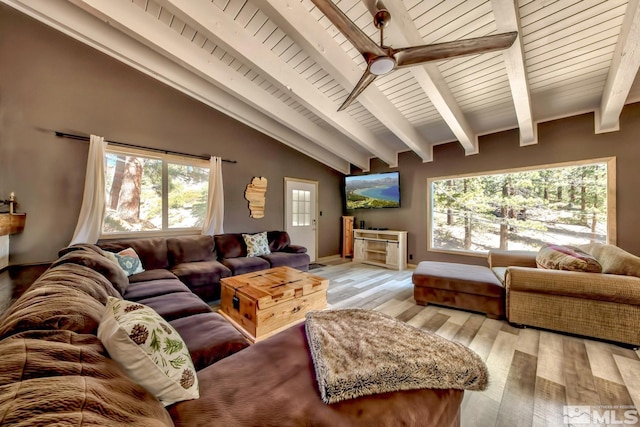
(360, 352)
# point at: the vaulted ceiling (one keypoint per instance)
(281, 67)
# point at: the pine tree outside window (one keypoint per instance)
(521, 209)
(150, 193)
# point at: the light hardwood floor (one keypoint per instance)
(533, 373)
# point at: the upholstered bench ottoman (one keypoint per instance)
(470, 287)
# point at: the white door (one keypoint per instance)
(300, 200)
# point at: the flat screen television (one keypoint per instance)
(371, 191)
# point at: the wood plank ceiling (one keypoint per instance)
(281, 67)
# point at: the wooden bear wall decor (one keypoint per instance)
(255, 194)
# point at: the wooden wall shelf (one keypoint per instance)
(12, 223)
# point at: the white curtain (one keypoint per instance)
(93, 204)
(215, 207)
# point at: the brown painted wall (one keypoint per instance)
(49, 82)
(558, 141)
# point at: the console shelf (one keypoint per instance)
(384, 248)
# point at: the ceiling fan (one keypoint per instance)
(383, 59)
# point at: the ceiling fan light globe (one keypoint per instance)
(382, 65)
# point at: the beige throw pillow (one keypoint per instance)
(149, 349)
(613, 259)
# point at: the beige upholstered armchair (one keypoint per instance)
(599, 305)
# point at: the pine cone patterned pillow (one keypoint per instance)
(149, 349)
(257, 244)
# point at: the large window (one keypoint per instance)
(522, 209)
(147, 192)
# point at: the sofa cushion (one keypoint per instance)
(208, 292)
(97, 262)
(571, 258)
(152, 288)
(278, 240)
(459, 278)
(196, 274)
(190, 249)
(63, 378)
(157, 274)
(245, 265)
(501, 273)
(295, 249)
(179, 304)
(614, 260)
(150, 350)
(230, 245)
(152, 252)
(257, 244)
(295, 260)
(209, 338)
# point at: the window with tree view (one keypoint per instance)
(147, 193)
(568, 204)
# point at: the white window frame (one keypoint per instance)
(611, 198)
(301, 208)
(165, 158)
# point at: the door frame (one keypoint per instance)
(316, 213)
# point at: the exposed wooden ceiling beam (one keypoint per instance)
(140, 25)
(295, 20)
(623, 70)
(224, 31)
(87, 29)
(431, 80)
(508, 19)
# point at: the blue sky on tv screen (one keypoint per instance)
(372, 177)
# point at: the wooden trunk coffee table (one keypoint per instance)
(263, 303)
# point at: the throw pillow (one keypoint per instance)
(128, 260)
(257, 244)
(571, 258)
(613, 259)
(149, 349)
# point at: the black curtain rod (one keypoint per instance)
(124, 144)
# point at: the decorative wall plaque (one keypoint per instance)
(255, 195)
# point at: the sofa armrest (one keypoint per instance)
(602, 287)
(295, 249)
(500, 258)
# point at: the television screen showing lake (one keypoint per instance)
(382, 193)
(373, 191)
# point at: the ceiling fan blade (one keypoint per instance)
(366, 79)
(433, 52)
(351, 31)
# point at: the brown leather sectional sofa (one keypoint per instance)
(55, 370)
